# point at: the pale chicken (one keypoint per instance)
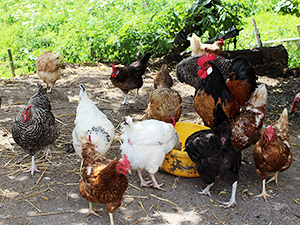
(93, 124)
(47, 65)
(146, 143)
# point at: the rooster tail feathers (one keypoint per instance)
(145, 58)
(242, 70)
(259, 97)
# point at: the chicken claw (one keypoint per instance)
(275, 177)
(92, 210)
(206, 190)
(33, 167)
(264, 193)
(228, 204)
(155, 184)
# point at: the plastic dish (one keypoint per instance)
(178, 162)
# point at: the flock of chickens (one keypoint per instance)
(226, 98)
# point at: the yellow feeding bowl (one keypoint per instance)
(178, 162)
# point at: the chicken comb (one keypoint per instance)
(113, 67)
(205, 58)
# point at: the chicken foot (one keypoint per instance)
(155, 184)
(232, 201)
(264, 193)
(33, 167)
(136, 97)
(92, 210)
(206, 190)
(48, 152)
(149, 183)
(125, 99)
(275, 177)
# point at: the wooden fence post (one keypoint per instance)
(257, 35)
(11, 62)
(298, 27)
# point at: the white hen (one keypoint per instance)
(91, 124)
(146, 143)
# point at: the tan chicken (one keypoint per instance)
(165, 104)
(272, 153)
(47, 65)
(199, 48)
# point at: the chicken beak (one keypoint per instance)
(129, 171)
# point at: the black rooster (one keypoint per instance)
(35, 128)
(212, 152)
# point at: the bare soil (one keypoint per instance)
(52, 196)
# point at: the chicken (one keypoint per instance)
(246, 127)
(212, 89)
(103, 180)
(212, 152)
(198, 48)
(130, 77)
(272, 153)
(35, 128)
(165, 104)
(239, 70)
(47, 65)
(163, 78)
(146, 143)
(92, 124)
(296, 99)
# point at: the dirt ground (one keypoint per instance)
(52, 196)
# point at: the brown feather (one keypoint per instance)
(100, 182)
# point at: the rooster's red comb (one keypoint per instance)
(205, 58)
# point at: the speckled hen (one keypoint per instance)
(35, 127)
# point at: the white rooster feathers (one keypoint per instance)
(147, 142)
(91, 124)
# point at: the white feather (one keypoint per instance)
(91, 121)
(147, 142)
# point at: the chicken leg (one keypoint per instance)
(111, 219)
(232, 201)
(48, 152)
(136, 97)
(206, 190)
(149, 183)
(125, 99)
(155, 184)
(275, 177)
(143, 182)
(33, 167)
(91, 210)
(264, 194)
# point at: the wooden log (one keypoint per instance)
(267, 61)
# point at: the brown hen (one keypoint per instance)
(47, 65)
(103, 180)
(130, 77)
(165, 104)
(246, 127)
(272, 153)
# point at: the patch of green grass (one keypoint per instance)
(114, 31)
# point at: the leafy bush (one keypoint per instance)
(115, 31)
